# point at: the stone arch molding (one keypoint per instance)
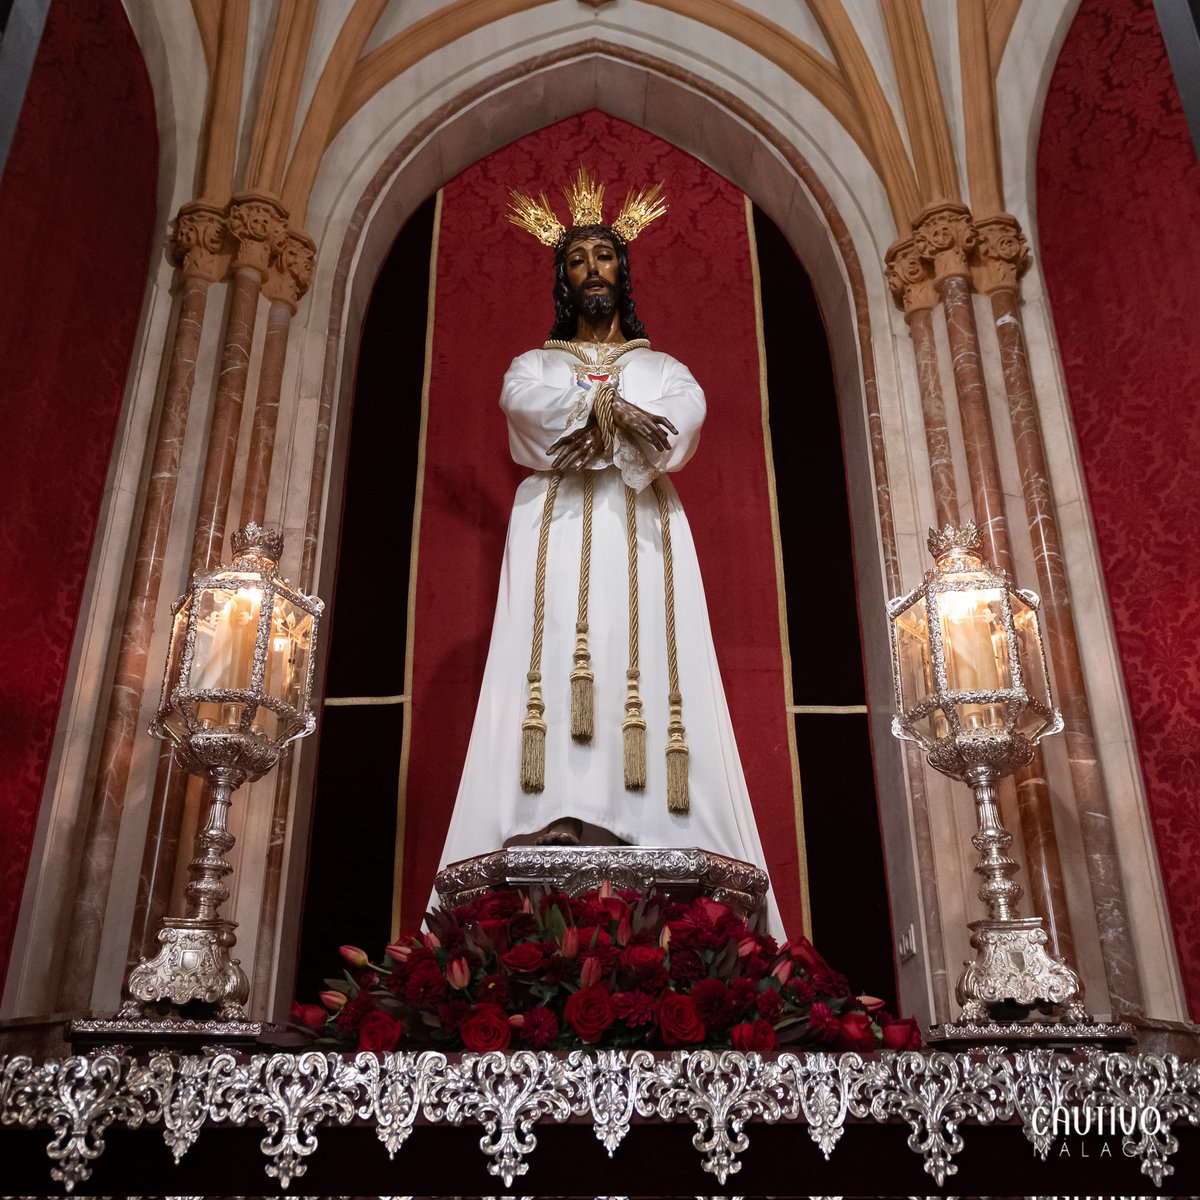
(401, 167)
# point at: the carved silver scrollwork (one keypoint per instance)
(506, 1094)
(722, 1093)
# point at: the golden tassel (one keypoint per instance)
(677, 748)
(582, 689)
(677, 757)
(533, 728)
(533, 738)
(633, 730)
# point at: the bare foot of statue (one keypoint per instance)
(567, 831)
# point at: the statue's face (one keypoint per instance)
(592, 268)
(592, 276)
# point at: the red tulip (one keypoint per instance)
(431, 940)
(458, 973)
(624, 932)
(570, 942)
(354, 956)
(399, 951)
(783, 971)
(333, 1000)
(592, 972)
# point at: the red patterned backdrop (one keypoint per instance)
(692, 281)
(77, 207)
(1119, 231)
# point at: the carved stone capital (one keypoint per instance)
(945, 237)
(199, 243)
(909, 278)
(258, 225)
(290, 272)
(1001, 254)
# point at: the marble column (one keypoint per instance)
(257, 230)
(288, 278)
(287, 281)
(944, 237)
(198, 244)
(913, 288)
(1003, 255)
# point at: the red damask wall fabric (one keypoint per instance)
(77, 209)
(693, 286)
(1119, 235)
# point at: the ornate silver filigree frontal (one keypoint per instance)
(723, 1094)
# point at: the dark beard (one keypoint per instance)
(594, 305)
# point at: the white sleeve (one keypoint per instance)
(681, 401)
(542, 401)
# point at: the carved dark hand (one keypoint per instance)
(631, 419)
(577, 450)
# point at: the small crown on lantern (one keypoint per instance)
(964, 538)
(252, 538)
(585, 199)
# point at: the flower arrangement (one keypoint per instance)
(543, 970)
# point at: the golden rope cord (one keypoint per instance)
(633, 728)
(533, 728)
(677, 747)
(582, 679)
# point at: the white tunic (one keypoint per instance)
(543, 400)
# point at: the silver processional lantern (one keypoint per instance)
(973, 691)
(236, 692)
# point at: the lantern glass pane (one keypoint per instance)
(975, 645)
(912, 650)
(1029, 650)
(175, 653)
(1031, 723)
(226, 626)
(288, 653)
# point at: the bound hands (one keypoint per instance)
(577, 450)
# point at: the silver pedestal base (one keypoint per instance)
(138, 1034)
(1013, 1035)
(681, 873)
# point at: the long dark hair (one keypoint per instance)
(565, 313)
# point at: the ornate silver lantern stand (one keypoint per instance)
(235, 694)
(973, 690)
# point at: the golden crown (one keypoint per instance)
(585, 199)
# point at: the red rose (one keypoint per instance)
(857, 1032)
(822, 1020)
(486, 1028)
(380, 1032)
(902, 1034)
(311, 1016)
(639, 958)
(590, 1012)
(524, 959)
(538, 1028)
(678, 1020)
(754, 1035)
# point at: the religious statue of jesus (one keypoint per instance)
(601, 649)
